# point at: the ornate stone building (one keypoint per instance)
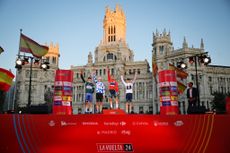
(211, 78)
(42, 81)
(114, 52)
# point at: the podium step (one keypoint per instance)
(114, 111)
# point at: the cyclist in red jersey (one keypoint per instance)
(113, 90)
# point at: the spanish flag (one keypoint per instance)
(181, 87)
(6, 78)
(28, 45)
(180, 73)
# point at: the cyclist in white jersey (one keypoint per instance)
(129, 92)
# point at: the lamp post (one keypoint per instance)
(23, 60)
(201, 58)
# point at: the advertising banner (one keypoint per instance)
(168, 92)
(97, 133)
(62, 104)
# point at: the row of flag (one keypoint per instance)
(27, 45)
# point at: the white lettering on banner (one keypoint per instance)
(58, 83)
(165, 98)
(174, 103)
(164, 84)
(179, 123)
(114, 147)
(57, 98)
(173, 83)
(66, 103)
(67, 83)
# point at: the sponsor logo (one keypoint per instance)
(173, 83)
(67, 88)
(165, 98)
(165, 93)
(51, 123)
(66, 103)
(173, 88)
(58, 88)
(126, 132)
(63, 123)
(67, 93)
(66, 98)
(122, 123)
(174, 103)
(57, 98)
(114, 147)
(58, 93)
(164, 84)
(58, 103)
(166, 103)
(173, 93)
(67, 83)
(159, 123)
(179, 123)
(174, 98)
(58, 83)
(164, 89)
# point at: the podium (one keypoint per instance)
(114, 112)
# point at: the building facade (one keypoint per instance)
(114, 53)
(42, 81)
(211, 78)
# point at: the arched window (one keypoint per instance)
(54, 60)
(109, 56)
(109, 30)
(114, 29)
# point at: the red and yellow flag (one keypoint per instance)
(28, 45)
(181, 87)
(180, 73)
(154, 67)
(6, 78)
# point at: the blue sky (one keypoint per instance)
(78, 26)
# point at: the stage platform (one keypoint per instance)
(91, 133)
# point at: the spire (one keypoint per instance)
(164, 32)
(90, 58)
(157, 33)
(185, 44)
(202, 44)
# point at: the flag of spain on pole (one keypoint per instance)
(6, 78)
(28, 45)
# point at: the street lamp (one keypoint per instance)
(23, 60)
(201, 58)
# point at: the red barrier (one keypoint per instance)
(168, 92)
(228, 104)
(114, 133)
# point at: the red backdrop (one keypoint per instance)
(98, 133)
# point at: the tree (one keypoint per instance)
(219, 103)
(2, 99)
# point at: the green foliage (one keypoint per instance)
(219, 102)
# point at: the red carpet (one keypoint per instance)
(114, 133)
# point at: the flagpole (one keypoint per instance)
(16, 79)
